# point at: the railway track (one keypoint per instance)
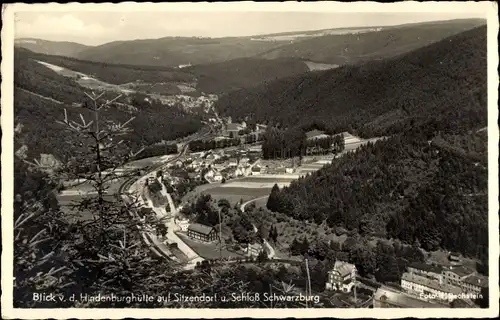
(122, 191)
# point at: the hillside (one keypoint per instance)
(243, 73)
(58, 48)
(379, 97)
(41, 95)
(427, 185)
(403, 188)
(344, 48)
(210, 78)
(175, 51)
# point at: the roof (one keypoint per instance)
(426, 267)
(256, 246)
(401, 300)
(477, 280)
(461, 270)
(314, 133)
(344, 268)
(430, 283)
(200, 228)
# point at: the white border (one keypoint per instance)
(490, 11)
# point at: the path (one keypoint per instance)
(171, 236)
(272, 253)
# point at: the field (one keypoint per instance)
(207, 250)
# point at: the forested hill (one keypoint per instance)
(430, 193)
(217, 78)
(243, 73)
(40, 96)
(60, 48)
(426, 185)
(356, 47)
(445, 81)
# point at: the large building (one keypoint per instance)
(386, 297)
(342, 277)
(202, 232)
(427, 288)
(431, 271)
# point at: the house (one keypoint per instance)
(474, 284)
(233, 162)
(386, 297)
(455, 275)
(427, 270)
(316, 134)
(239, 172)
(233, 129)
(342, 277)
(183, 224)
(201, 232)
(428, 288)
(253, 250)
(152, 179)
(217, 177)
(454, 257)
(256, 170)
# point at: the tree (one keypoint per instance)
(262, 257)
(107, 252)
(273, 202)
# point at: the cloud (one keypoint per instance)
(58, 26)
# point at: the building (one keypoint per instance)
(183, 224)
(256, 170)
(456, 275)
(386, 297)
(316, 134)
(454, 257)
(342, 277)
(428, 288)
(233, 162)
(218, 177)
(201, 232)
(430, 271)
(152, 179)
(233, 129)
(474, 284)
(254, 249)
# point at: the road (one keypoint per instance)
(272, 253)
(149, 236)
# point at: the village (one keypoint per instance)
(443, 284)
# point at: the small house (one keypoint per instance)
(183, 224)
(217, 177)
(256, 170)
(253, 250)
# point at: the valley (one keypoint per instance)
(259, 160)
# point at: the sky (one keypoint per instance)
(98, 27)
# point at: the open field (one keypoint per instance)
(263, 179)
(207, 250)
(238, 191)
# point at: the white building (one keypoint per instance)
(428, 289)
(342, 277)
(183, 224)
(217, 177)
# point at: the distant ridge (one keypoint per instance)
(58, 48)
